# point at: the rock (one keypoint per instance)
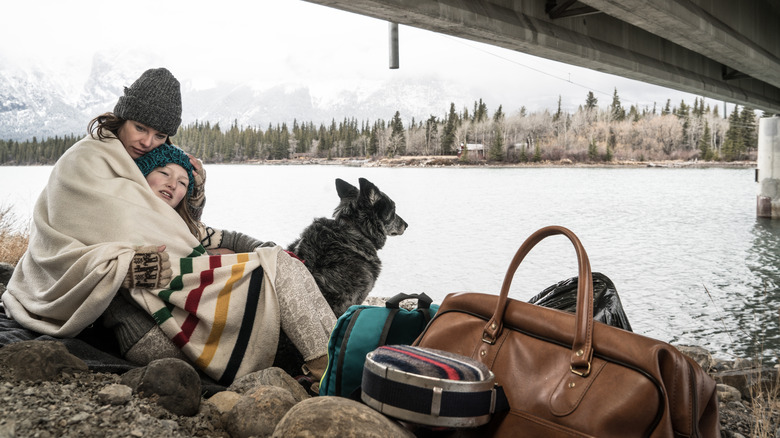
(741, 363)
(337, 417)
(81, 416)
(750, 382)
(719, 365)
(409, 304)
(374, 301)
(224, 401)
(698, 354)
(6, 270)
(257, 412)
(209, 413)
(40, 360)
(174, 381)
(115, 394)
(220, 405)
(7, 429)
(728, 393)
(270, 377)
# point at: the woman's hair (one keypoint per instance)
(184, 211)
(109, 122)
(106, 121)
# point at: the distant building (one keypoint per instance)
(473, 151)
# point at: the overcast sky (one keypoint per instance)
(271, 42)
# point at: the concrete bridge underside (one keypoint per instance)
(721, 49)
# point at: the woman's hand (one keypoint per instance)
(149, 269)
(199, 173)
(198, 196)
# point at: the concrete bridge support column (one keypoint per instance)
(768, 168)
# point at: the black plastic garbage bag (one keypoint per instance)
(606, 303)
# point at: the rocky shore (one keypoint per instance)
(46, 392)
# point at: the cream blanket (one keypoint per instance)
(222, 311)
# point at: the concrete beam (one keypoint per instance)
(623, 44)
(716, 32)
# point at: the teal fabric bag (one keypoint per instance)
(361, 329)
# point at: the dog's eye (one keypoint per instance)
(381, 207)
(387, 210)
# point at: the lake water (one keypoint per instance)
(691, 262)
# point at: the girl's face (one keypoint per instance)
(138, 138)
(169, 183)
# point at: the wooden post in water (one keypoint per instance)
(768, 168)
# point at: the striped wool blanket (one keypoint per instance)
(221, 311)
(95, 210)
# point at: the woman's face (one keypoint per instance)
(138, 138)
(169, 183)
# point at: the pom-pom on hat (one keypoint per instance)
(154, 99)
(164, 155)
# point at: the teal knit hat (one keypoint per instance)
(164, 155)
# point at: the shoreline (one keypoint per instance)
(436, 161)
(444, 161)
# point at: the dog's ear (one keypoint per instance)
(369, 191)
(345, 189)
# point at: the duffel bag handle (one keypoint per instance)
(582, 348)
(423, 300)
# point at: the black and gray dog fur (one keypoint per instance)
(341, 253)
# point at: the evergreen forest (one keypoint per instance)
(593, 133)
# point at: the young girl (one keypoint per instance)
(171, 175)
(305, 316)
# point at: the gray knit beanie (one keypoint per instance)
(154, 99)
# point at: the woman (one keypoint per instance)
(145, 117)
(82, 239)
(97, 225)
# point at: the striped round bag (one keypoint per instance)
(430, 387)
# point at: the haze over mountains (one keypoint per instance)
(37, 101)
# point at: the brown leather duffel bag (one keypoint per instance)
(565, 375)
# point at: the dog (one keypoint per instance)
(341, 253)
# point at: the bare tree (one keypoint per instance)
(668, 133)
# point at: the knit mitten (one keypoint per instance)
(209, 237)
(149, 269)
(197, 200)
(212, 238)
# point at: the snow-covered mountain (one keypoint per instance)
(31, 106)
(38, 102)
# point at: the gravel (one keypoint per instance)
(72, 407)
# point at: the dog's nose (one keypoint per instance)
(400, 228)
